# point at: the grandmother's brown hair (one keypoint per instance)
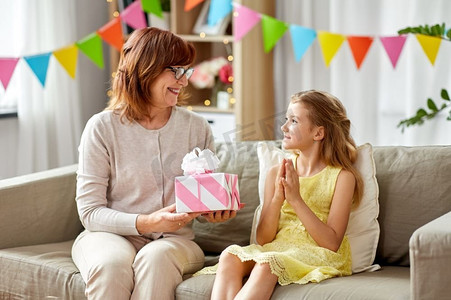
(145, 54)
(338, 148)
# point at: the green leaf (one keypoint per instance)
(431, 105)
(448, 34)
(444, 94)
(435, 30)
(405, 30)
(421, 113)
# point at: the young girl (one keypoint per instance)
(301, 233)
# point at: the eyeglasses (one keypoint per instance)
(179, 72)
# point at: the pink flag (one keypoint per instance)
(7, 67)
(134, 16)
(245, 20)
(393, 46)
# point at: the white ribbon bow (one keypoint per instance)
(199, 162)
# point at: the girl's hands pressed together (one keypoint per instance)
(279, 192)
(290, 182)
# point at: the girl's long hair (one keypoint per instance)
(144, 56)
(338, 148)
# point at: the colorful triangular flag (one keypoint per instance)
(301, 38)
(393, 46)
(190, 4)
(359, 47)
(153, 7)
(7, 67)
(273, 30)
(244, 20)
(219, 9)
(67, 57)
(91, 46)
(430, 45)
(111, 33)
(39, 65)
(329, 44)
(134, 16)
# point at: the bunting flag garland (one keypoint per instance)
(67, 57)
(91, 45)
(152, 6)
(111, 33)
(218, 10)
(302, 38)
(393, 46)
(329, 43)
(134, 16)
(430, 45)
(39, 65)
(359, 47)
(244, 20)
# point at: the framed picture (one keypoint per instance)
(202, 23)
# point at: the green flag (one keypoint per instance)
(91, 46)
(153, 7)
(273, 30)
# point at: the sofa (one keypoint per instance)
(39, 222)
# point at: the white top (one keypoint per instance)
(125, 170)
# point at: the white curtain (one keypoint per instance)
(50, 119)
(377, 96)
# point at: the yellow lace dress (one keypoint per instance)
(293, 255)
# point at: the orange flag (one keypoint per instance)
(190, 4)
(359, 47)
(111, 33)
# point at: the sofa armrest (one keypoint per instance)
(39, 208)
(430, 260)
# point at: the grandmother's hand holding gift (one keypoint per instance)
(164, 220)
(219, 216)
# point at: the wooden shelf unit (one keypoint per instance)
(253, 89)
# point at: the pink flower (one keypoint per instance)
(226, 73)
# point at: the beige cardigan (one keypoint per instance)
(125, 170)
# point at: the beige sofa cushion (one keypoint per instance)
(367, 285)
(415, 188)
(40, 272)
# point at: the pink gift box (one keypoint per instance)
(207, 192)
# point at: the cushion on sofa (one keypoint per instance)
(363, 227)
(40, 272)
(388, 283)
(415, 188)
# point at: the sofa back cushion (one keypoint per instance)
(414, 188)
(235, 158)
(39, 208)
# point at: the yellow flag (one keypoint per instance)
(67, 57)
(430, 45)
(329, 43)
